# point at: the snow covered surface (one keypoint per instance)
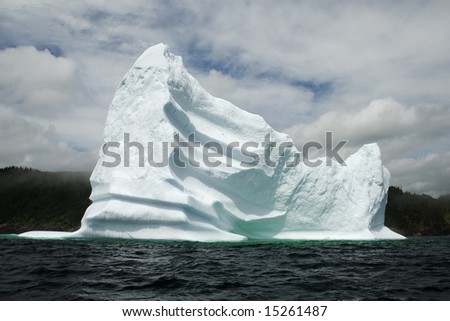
(158, 98)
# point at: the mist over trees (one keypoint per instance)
(36, 200)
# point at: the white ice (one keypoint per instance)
(158, 98)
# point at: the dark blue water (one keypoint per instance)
(414, 269)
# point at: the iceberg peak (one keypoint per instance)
(158, 55)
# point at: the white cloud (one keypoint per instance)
(398, 127)
(430, 174)
(37, 83)
(26, 143)
(43, 94)
(251, 53)
(369, 50)
(261, 96)
(413, 140)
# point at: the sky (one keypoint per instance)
(368, 71)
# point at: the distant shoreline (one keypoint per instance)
(35, 200)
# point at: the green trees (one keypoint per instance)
(412, 214)
(35, 200)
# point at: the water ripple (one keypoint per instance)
(415, 269)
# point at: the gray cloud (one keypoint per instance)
(26, 143)
(414, 140)
(397, 127)
(308, 66)
(36, 82)
(261, 96)
(430, 174)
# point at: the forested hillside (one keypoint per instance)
(36, 200)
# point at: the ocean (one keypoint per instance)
(412, 269)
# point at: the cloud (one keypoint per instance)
(430, 174)
(414, 140)
(363, 50)
(39, 92)
(36, 82)
(261, 96)
(26, 143)
(398, 127)
(305, 65)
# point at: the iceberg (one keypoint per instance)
(151, 183)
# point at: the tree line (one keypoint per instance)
(414, 214)
(35, 200)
